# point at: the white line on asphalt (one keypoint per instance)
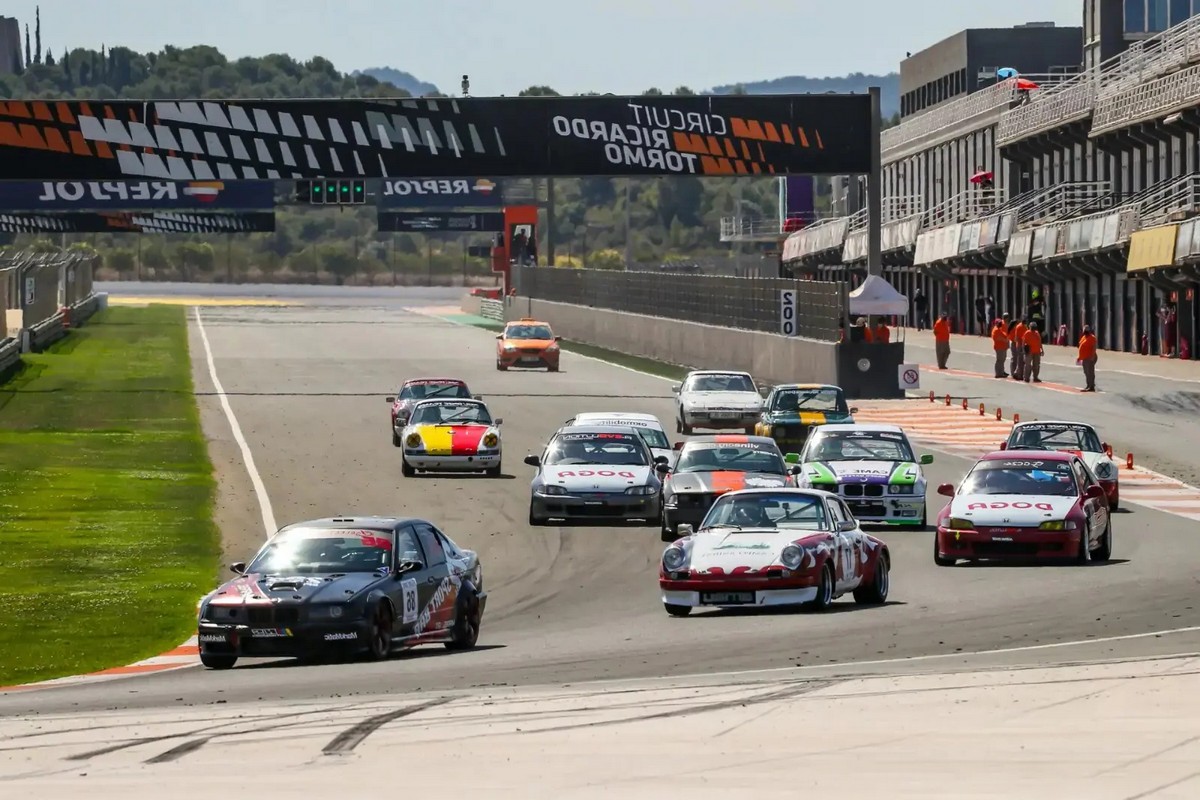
(260, 491)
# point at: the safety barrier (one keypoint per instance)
(492, 309)
(42, 296)
(10, 355)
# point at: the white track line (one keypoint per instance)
(260, 491)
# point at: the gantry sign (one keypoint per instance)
(229, 140)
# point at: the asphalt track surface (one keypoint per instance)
(307, 385)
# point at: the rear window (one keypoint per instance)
(731, 382)
(597, 448)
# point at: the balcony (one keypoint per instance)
(1167, 52)
(1064, 200)
(1050, 108)
(766, 229)
(1147, 102)
(824, 236)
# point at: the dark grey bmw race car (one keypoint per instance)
(344, 586)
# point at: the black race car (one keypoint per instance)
(345, 586)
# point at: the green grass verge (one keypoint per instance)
(671, 371)
(106, 495)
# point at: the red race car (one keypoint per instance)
(773, 547)
(1025, 504)
(414, 391)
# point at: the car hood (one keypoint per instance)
(256, 588)
(723, 399)
(1011, 509)
(724, 481)
(886, 472)
(808, 417)
(726, 550)
(595, 477)
(451, 440)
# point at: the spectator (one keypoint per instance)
(1016, 337)
(989, 308)
(921, 306)
(1000, 347)
(1087, 358)
(981, 316)
(882, 333)
(1033, 354)
(867, 335)
(941, 339)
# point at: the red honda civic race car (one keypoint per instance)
(1025, 504)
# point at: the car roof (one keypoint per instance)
(728, 438)
(459, 381)
(526, 321)
(806, 386)
(597, 429)
(1033, 455)
(353, 523)
(449, 400)
(879, 427)
(1066, 423)
(780, 490)
(718, 372)
(591, 415)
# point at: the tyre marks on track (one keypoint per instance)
(963, 432)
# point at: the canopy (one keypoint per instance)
(877, 297)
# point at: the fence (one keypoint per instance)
(746, 303)
(43, 295)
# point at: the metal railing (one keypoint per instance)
(1061, 200)
(744, 303)
(969, 204)
(1051, 107)
(1168, 198)
(1159, 97)
(765, 228)
(1152, 58)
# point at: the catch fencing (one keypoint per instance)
(42, 296)
(747, 303)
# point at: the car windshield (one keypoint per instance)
(624, 449)
(449, 412)
(528, 332)
(1054, 437)
(736, 457)
(767, 510)
(419, 390)
(792, 400)
(311, 550)
(732, 382)
(858, 446)
(1012, 476)
(653, 436)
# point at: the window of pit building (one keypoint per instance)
(1154, 16)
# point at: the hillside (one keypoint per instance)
(799, 84)
(399, 78)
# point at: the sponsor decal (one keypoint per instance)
(135, 194)
(761, 481)
(212, 637)
(759, 546)
(445, 589)
(592, 437)
(440, 193)
(341, 637)
(598, 473)
(271, 633)
(724, 445)
(1018, 505)
(402, 221)
(434, 382)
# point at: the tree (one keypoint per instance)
(66, 65)
(37, 54)
(28, 49)
(49, 58)
(539, 91)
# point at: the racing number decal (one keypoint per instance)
(409, 589)
(849, 562)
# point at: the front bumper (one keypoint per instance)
(267, 641)
(756, 592)
(904, 509)
(539, 360)
(1008, 543)
(720, 420)
(473, 463)
(614, 507)
(688, 508)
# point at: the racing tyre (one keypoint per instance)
(824, 597)
(877, 591)
(493, 472)
(406, 470)
(940, 559)
(218, 660)
(668, 535)
(1085, 551)
(552, 369)
(465, 632)
(1104, 551)
(534, 522)
(379, 640)
(501, 367)
(677, 611)
(396, 441)
(685, 429)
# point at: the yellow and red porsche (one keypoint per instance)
(529, 344)
(451, 435)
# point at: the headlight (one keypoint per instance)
(643, 490)
(955, 524)
(491, 440)
(1057, 525)
(327, 612)
(674, 558)
(510, 348)
(900, 489)
(1106, 471)
(552, 346)
(792, 557)
(552, 490)
(413, 440)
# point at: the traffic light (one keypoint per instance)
(331, 192)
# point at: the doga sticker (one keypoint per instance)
(1019, 505)
(596, 473)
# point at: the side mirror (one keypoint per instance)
(795, 469)
(411, 565)
(676, 389)
(390, 399)
(662, 468)
(661, 460)
(499, 421)
(533, 461)
(1107, 448)
(238, 567)
(853, 409)
(558, 338)
(499, 335)
(946, 489)
(684, 530)
(792, 458)
(1094, 493)
(847, 525)
(926, 459)
(1004, 445)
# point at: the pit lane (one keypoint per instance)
(577, 604)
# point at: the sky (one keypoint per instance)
(619, 46)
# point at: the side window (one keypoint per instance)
(431, 545)
(845, 511)
(407, 548)
(448, 546)
(837, 512)
(1082, 481)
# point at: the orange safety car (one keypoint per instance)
(527, 343)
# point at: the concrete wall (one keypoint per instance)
(768, 357)
(471, 304)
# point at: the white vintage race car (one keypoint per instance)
(717, 400)
(1071, 437)
(451, 435)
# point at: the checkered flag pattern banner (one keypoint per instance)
(139, 222)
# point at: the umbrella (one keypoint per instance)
(1025, 85)
(980, 177)
(1006, 72)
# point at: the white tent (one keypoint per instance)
(877, 297)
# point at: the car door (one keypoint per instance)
(438, 611)
(410, 593)
(845, 564)
(1097, 510)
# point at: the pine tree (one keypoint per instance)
(28, 49)
(37, 35)
(101, 72)
(66, 62)
(49, 58)
(93, 69)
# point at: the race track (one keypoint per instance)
(306, 384)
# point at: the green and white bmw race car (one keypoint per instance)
(872, 468)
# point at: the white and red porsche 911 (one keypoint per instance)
(773, 547)
(1025, 504)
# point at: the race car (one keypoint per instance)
(1025, 504)
(1071, 437)
(793, 410)
(717, 400)
(342, 586)
(527, 343)
(595, 473)
(873, 467)
(417, 389)
(774, 547)
(710, 466)
(645, 424)
(456, 435)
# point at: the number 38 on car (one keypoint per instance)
(773, 547)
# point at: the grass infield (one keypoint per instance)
(106, 494)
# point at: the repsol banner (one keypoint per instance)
(228, 141)
(135, 222)
(420, 222)
(136, 195)
(459, 193)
